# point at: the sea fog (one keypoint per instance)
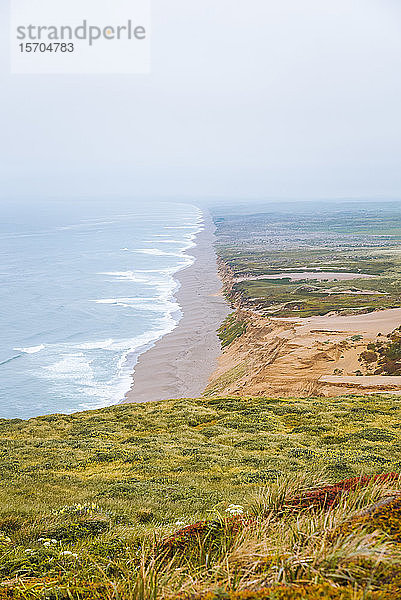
(85, 287)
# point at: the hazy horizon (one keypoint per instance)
(261, 100)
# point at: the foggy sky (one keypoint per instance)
(255, 98)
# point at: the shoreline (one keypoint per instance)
(180, 364)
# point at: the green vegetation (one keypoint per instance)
(284, 298)
(88, 498)
(344, 239)
(232, 328)
(216, 388)
(384, 357)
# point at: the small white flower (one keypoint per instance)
(69, 553)
(235, 510)
(47, 542)
(180, 523)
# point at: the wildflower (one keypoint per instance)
(78, 509)
(180, 523)
(235, 509)
(47, 542)
(69, 553)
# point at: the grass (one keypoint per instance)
(232, 328)
(292, 300)
(87, 500)
(220, 384)
(193, 452)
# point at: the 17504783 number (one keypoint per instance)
(42, 47)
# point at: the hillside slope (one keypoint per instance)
(88, 498)
(199, 452)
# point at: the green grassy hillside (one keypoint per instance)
(84, 497)
(182, 457)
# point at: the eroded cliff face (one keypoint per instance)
(226, 274)
(280, 358)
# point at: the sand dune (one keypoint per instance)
(383, 321)
(304, 357)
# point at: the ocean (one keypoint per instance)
(85, 287)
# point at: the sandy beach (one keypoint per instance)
(180, 364)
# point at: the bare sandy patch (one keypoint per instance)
(350, 292)
(381, 321)
(314, 275)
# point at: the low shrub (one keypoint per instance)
(77, 530)
(328, 496)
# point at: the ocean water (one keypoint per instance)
(85, 287)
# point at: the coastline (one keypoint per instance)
(180, 364)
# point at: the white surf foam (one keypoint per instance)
(151, 277)
(164, 304)
(78, 365)
(156, 252)
(122, 276)
(72, 367)
(31, 350)
(179, 242)
(149, 304)
(81, 363)
(100, 345)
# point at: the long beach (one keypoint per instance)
(180, 364)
